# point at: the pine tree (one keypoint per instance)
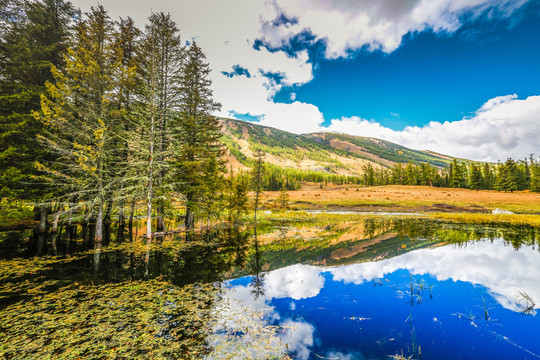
(126, 46)
(397, 174)
(457, 175)
(369, 175)
(196, 131)
(283, 198)
(488, 176)
(257, 180)
(236, 196)
(411, 174)
(78, 113)
(522, 176)
(427, 174)
(476, 180)
(212, 191)
(535, 176)
(506, 180)
(33, 38)
(162, 55)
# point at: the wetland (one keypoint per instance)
(306, 286)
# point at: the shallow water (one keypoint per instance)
(333, 288)
(448, 302)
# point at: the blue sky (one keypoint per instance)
(459, 77)
(431, 76)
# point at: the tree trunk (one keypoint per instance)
(54, 235)
(131, 216)
(121, 223)
(160, 223)
(107, 223)
(150, 193)
(91, 232)
(189, 220)
(98, 235)
(69, 230)
(42, 232)
(97, 258)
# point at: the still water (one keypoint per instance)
(447, 302)
(332, 287)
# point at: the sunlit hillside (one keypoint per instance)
(320, 152)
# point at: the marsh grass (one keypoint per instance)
(526, 303)
(241, 332)
(477, 218)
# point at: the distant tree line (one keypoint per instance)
(508, 176)
(98, 116)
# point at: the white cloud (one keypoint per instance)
(503, 127)
(227, 31)
(350, 24)
(295, 282)
(336, 355)
(298, 336)
(502, 270)
(239, 312)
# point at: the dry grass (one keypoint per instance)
(508, 219)
(412, 198)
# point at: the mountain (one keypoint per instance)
(333, 153)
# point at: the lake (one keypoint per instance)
(315, 286)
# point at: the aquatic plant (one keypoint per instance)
(134, 319)
(526, 303)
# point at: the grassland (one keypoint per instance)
(410, 199)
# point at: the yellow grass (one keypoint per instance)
(470, 218)
(412, 198)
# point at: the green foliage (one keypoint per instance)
(476, 181)
(507, 177)
(79, 116)
(196, 131)
(457, 175)
(283, 197)
(488, 176)
(236, 196)
(369, 175)
(535, 177)
(14, 211)
(135, 319)
(389, 151)
(32, 39)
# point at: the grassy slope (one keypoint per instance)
(383, 150)
(327, 152)
(283, 148)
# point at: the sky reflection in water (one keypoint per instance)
(448, 302)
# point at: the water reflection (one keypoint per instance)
(464, 293)
(503, 271)
(368, 288)
(255, 268)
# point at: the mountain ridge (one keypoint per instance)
(329, 152)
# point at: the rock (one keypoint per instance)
(501, 211)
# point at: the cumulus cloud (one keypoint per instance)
(504, 126)
(242, 330)
(502, 270)
(228, 30)
(348, 25)
(295, 282)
